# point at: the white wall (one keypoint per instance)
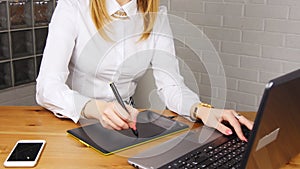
(257, 40)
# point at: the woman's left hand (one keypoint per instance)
(213, 118)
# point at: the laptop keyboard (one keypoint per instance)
(224, 152)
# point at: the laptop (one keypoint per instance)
(272, 142)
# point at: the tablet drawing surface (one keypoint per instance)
(150, 126)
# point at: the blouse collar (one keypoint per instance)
(113, 6)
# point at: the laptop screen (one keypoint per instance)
(276, 135)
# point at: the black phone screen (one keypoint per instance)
(25, 152)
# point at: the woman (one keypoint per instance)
(92, 42)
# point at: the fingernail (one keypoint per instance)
(133, 126)
(228, 132)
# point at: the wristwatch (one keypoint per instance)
(194, 112)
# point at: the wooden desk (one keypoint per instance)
(61, 150)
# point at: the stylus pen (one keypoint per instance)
(120, 101)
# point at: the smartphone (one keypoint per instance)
(25, 153)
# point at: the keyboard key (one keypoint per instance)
(226, 152)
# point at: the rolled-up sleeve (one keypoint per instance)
(51, 90)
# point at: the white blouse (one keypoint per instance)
(78, 64)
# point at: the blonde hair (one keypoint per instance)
(100, 17)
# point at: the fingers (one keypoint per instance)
(121, 112)
(129, 116)
(111, 118)
(234, 117)
(116, 117)
(235, 124)
(223, 129)
(228, 116)
(246, 122)
(243, 120)
(133, 116)
(108, 124)
(216, 116)
(133, 113)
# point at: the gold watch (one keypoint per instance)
(194, 112)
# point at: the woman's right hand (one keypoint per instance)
(111, 115)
